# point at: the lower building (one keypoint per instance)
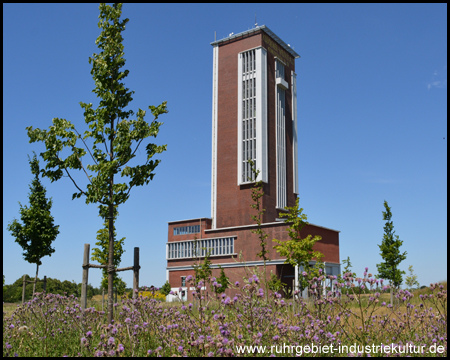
(234, 249)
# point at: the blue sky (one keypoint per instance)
(372, 112)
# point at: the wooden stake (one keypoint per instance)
(23, 288)
(136, 272)
(293, 296)
(84, 281)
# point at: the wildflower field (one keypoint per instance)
(250, 324)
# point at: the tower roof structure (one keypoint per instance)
(255, 29)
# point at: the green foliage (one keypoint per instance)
(257, 194)
(390, 252)
(202, 270)
(101, 255)
(298, 252)
(275, 283)
(347, 269)
(13, 292)
(411, 280)
(120, 285)
(165, 290)
(348, 266)
(36, 232)
(223, 280)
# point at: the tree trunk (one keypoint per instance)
(35, 279)
(392, 296)
(111, 232)
(111, 262)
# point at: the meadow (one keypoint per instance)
(249, 324)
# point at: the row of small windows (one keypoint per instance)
(193, 229)
(213, 247)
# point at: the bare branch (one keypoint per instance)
(67, 171)
(86, 146)
(104, 142)
(126, 162)
(74, 182)
(88, 175)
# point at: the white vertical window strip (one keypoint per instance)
(294, 130)
(248, 123)
(252, 114)
(281, 138)
(214, 136)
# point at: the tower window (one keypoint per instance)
(183, 230)
(248, 114)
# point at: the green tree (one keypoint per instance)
(165, 290)
(115, 136)
(101, 254)
(298, 252)
(390, 252)
(275, 283)
(222, 280)
(347, 269)
(37, 231)
(411, 280)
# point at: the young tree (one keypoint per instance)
(298, 252)
(101, 255)
(411, 279)
(222, 280)
(165, 289)
(390, 252)
(257, 194)
(36, 232)
(113, 134)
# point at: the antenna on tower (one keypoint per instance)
(256, 24)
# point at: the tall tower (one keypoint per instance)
(254, 118)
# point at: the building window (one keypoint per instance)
(280, 137)
(192, 248)
(252, 115)
(248, 115)
(183, 281)
(183, 230)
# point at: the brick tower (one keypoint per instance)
(254, 117)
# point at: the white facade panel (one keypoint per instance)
(280, 105)
(214, 136)
(294, 131)
(261, 114)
